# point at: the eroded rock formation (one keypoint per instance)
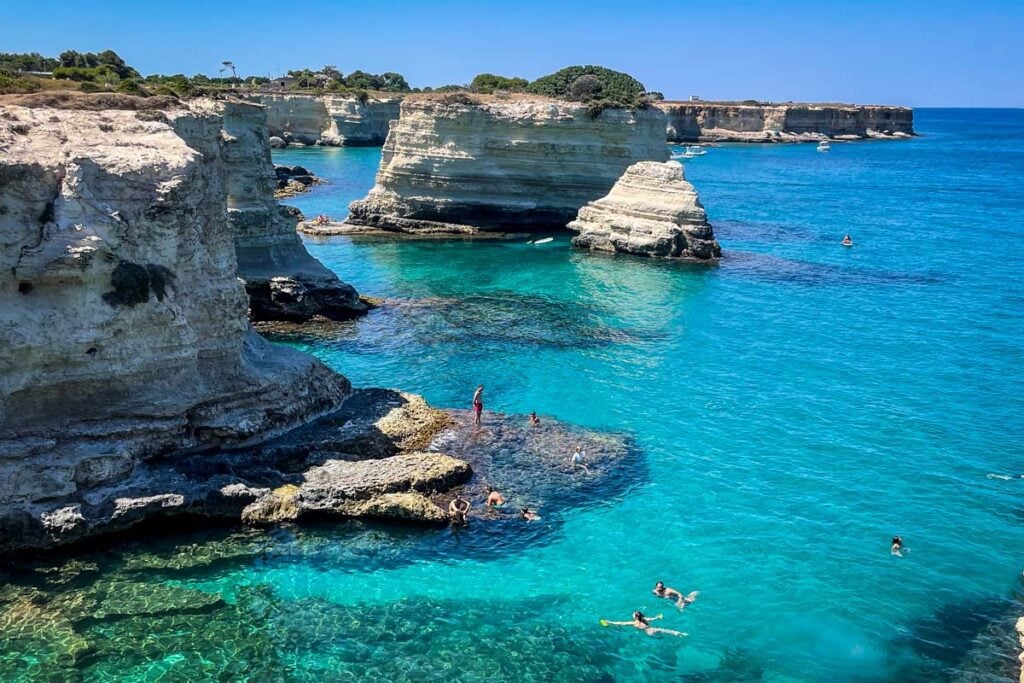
(123, 334)
(732, 122)
(651, 211)
(283, 281)
(492, 165)
(337, 120)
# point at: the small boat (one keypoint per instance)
(543, 241)
(689, 152)
(823, 146)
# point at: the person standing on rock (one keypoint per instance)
(478, 404)
(577, 460)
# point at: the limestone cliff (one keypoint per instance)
(731, 122)
(283, 281)
(651, 211)
(338, 120)
(123, 333)
(459, 165)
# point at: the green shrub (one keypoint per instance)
(12, 84)
(132, 86)
(489, 83)
(89, 86)
(619, 88)
(458, 98)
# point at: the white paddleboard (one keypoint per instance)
(545, 240)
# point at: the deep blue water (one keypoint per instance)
(796, 407)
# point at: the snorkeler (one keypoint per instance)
(458, 509)
(478, 404)
(494, 499)
(528, 514)
(897, 546)
(644, 624)
(577, 459)
(663, 591)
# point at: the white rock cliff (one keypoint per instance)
(651, 211)
(283, 281)
(453, 165)
(123, 331)
(337, 120)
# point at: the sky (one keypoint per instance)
(967, 53)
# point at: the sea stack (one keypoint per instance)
(123, 330)
(753, 122)
(460, 164)
(283, 281)
(335, 120)
(651, 211)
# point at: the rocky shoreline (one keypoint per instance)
(331, 120)
(769, 123)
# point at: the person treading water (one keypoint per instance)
(663, 591)
(644, 624)
(534, 420)
(458, 509)
(847, 241)
(494, 499)
(897, 546)
(528, 514)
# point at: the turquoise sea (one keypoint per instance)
(796, 407)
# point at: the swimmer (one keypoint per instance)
(663, 591)
(847, 241)
(458, 509)
(897, 546)
(494, 499)
(478, 404)
(534, 420)
(577, 459)
(528, 514)
(644, 624)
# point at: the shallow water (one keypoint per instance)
(795, 407)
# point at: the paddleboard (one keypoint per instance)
(545, 240)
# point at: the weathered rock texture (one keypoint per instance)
(651, 211)
(283, 281)
(501, 165)
(336, 120)
(123, 333)
(1020, 638)
(730, 122)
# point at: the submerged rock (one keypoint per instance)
(651, 211)
(463, 166)
(283, 281)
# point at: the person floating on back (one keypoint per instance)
(847, 241)
(534, 420)
(494, 499)
(478, 404)
(458, 510)
(663, 591)
(577, 460)
(644, 624)
(897, 546)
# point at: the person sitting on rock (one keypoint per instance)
(528, 514)
(478, 404)
(663, 591)
(458, 510)
(494, 499)
(577, 460)
(534, 420)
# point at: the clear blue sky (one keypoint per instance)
(937, 53)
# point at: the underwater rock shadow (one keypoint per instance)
(769, 268)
